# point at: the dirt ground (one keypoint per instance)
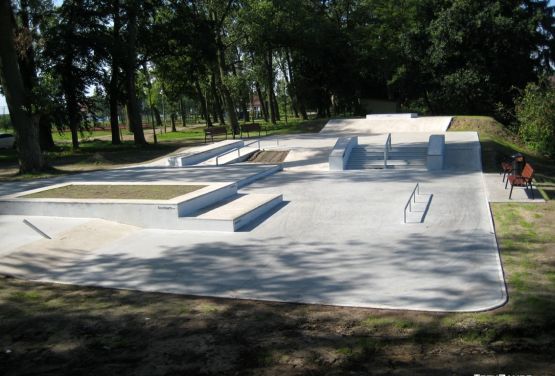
(67, 330)
(50, 329)
(125, 192)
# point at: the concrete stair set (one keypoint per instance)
(365, 157)
(236, 211)
(232, 213)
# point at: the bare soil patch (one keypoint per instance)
(269, 156)
(123, 192)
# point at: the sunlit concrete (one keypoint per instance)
(338, 239)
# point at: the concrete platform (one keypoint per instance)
(339, 238)
(236, 213)
(344, 127)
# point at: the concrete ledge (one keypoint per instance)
(231, 215)
(145, 213)
(203, 153)
(341, 152)
(436, 152)
(408, 115)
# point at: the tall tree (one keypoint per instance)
(21, 114)
(130, 67)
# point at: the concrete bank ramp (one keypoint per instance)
(361, 127)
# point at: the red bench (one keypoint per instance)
(522, 180)
(507, 168)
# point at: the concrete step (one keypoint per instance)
(391, 164)
(232, 214)
(391, 157)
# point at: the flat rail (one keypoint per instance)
(386, 150)
(412, 197)
(238, 150)
(36, 229)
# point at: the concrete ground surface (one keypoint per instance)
(497, 192)
(338, 239)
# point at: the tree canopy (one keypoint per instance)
(430, 56)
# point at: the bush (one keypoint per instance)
(535, 112)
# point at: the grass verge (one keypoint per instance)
(498, 143)
(96, 152)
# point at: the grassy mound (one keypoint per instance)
(499, 143)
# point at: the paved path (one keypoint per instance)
(497, 192)
(339, 239)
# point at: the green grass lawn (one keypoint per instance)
(498, 143)
(97, 152)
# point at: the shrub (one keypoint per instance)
(535, 112)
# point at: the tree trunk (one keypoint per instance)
(133, 110)
(182, 113)
(203, 105)
(302, 109)
(276, 105)
(219, 111)
(220, 75)
(245, 110)
(261, 100)
(173, 116)
(45, 133)
(289, 82)
(25, 125)
(72, 104)
(157, 116)
(114, 86)
(270, 86)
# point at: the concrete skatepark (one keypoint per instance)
(336, 237)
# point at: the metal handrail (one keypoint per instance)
(386, 150)
(409, 202)
(238, 150)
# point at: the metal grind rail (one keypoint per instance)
(238, 150)
(386, 150)
(41, 233)
(412, 197)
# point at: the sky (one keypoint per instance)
(3, 104)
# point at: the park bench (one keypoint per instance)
(522, 180)
(254, 127)
(214, 131)
(507, 168)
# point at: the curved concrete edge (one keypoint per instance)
(501, 272)
(108, 285)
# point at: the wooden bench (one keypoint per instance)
(507, 168)
(254, 127)
(214, 131)
(522, 180)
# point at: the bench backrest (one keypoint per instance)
(528, 171)
(251, 127)
(215, 130)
